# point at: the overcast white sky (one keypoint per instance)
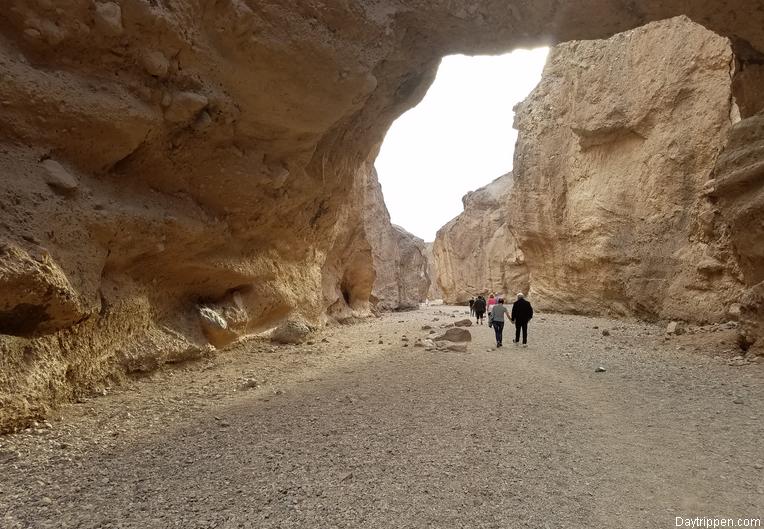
(459, 138)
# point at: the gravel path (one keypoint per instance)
(354, 433)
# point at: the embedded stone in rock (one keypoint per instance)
(184, 106)
(464, 323)
(108, 19)
(291, 332)
(215, 327)
(156, 63)
(58, 177)
(455, 334)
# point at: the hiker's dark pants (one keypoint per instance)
(521, 325)
(479, 315)
(498, 328)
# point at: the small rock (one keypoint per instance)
(605, 332)
(426, 327)
(758, 466)
(463, 323)
(184, 106)
(600, 369)
(155, 63)
(381, 342)
(675, 328)
(346, 477)
(108, 19)
(58, 177)
(249, 383)
(738, 401)
(290, 332)
(455, 334)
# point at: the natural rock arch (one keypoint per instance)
(200, 146)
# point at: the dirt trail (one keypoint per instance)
(353, 433)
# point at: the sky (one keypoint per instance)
(459, 138)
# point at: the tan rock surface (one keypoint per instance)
(258, 191)
(435, 291)
(476, 253)
(400, 265)
(615, 147)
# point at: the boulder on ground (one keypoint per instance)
(466, 322)
(675, 328)
(58, 177)
(458, 348)
(290, 331)
(456, 334)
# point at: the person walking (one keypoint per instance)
(522, 313)
(497, 320)
(472, 306)
(491, 302)
(479, 310)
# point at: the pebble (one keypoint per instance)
(600, 369)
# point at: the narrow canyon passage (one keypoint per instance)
(360, 428)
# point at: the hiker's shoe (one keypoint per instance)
(525, 345)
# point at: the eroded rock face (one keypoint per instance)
(435, 291)
(615, 147)
(399, 258)
(219, 148)
(477, 253)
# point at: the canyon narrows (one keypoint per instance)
(180, 173)
(607, 211)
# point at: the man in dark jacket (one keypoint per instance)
(522, 312)
(479, 310)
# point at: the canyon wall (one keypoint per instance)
(476, 253)
(612, 208)
(615, 148)
(399, 258)
(178, 173)
(435, 292)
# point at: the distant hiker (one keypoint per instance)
(522, 313)
(491, 302)
(479, 310)
(472, 306)
(497, 320)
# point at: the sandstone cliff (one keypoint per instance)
(176, 174)
(476, 253)
(615, 147)
(401, 277)
(434, 291)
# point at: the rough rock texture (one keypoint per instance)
(455, 334)
(435, 291)
(401, 269)
(235, 165)
(476, 253)
(615, 148)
